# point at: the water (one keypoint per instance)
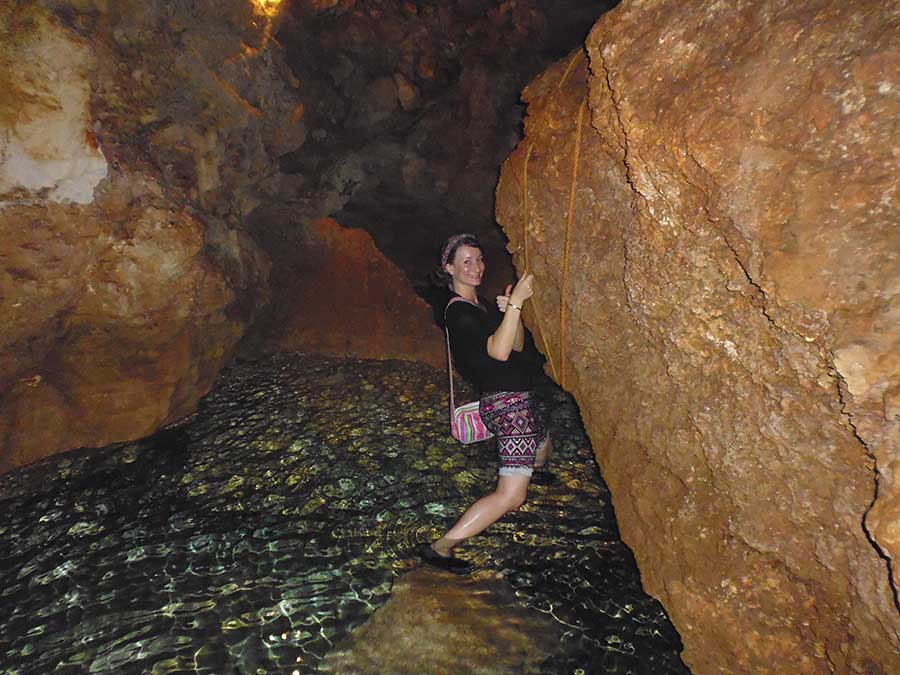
(257, 536)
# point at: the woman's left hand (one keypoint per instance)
(503, 300)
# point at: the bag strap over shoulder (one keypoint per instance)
(450, 372)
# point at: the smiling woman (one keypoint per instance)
(491, 350)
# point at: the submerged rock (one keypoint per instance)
(437, 622)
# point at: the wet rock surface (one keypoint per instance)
(257, 536)
(714, 237)
(439, 622)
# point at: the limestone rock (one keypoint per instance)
(718, 286)
(48, 144)
(115, 321)
(345, 298)
(125, 284)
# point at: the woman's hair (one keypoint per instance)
(439, 276)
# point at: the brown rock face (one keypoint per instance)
(124, 285)
(344, 298)
(707, 198)
(117, 325)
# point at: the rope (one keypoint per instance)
(570, 217)
(565, 280)
(571, 65)
(537, 314)
(537, 311)
(525, 202)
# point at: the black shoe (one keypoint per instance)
(448, 563)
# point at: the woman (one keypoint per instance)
(489, 348)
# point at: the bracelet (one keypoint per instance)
(509, 304)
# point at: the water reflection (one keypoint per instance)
(255, 537)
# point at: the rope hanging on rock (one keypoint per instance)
(525, 202)
(571, 65)
(537, 311)
(570, 217)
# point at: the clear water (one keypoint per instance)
(257, 535)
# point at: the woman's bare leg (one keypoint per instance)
(508, 496)
(543, 453)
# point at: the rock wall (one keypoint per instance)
(707, 197)
(348, 299)
(129, 152)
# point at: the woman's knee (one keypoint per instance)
(513, 489)
(516, 500)
(512, 499)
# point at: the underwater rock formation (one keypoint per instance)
(712, 221)
(428, 611)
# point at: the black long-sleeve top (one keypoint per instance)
(470, 327)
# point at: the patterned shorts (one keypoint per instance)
(514, 419)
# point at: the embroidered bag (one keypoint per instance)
(465, 421)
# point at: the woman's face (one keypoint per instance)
(467, 266)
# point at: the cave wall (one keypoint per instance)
(413, 106)
(707, 197)
(347, 299)
(134, 139)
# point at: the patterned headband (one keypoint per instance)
(452, 243)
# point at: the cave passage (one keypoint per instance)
(265, 534)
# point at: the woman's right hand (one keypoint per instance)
(524, 289)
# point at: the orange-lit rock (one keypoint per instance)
(346, 299)
(732, 313)
(116, 320)
(124, 285)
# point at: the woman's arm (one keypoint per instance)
(501, 343)
(510, 332)
(519, 342)
(502, 302)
